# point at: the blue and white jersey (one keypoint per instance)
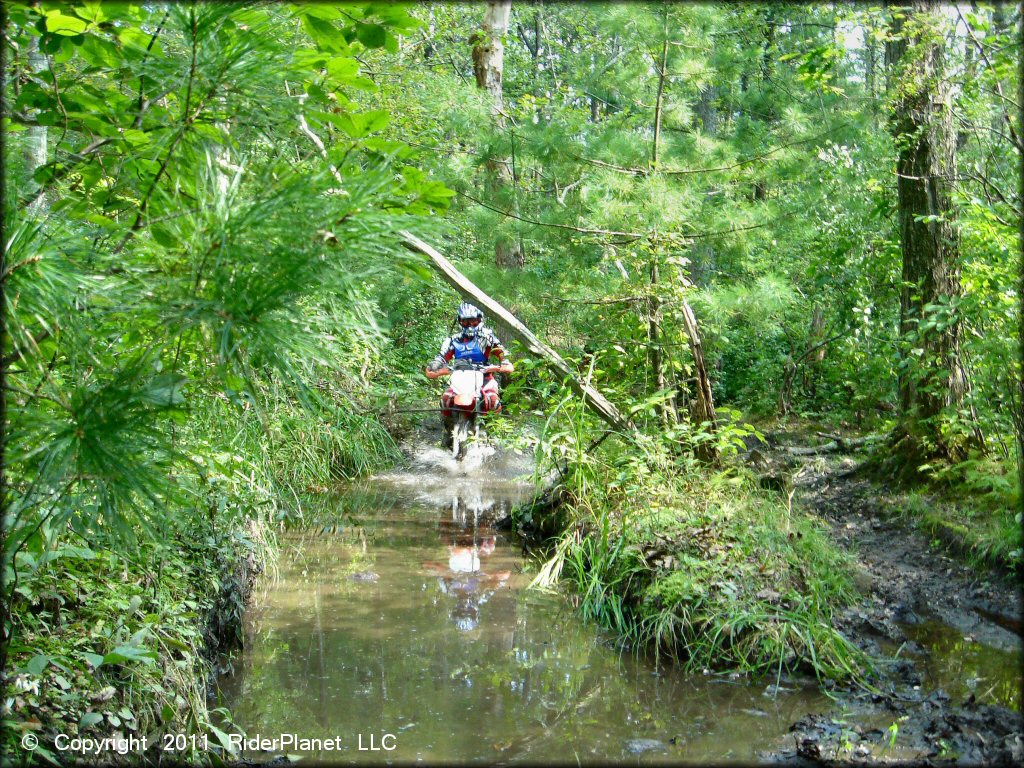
(478, 349)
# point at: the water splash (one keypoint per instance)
(487, 471)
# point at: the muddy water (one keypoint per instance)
(400, 619)
(963, 667)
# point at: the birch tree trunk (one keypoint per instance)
(488, 64)
(932, 377)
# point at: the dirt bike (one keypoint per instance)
(466, 381)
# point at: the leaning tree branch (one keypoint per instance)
(989, 187)
(591, 396)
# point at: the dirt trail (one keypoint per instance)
(906, 583)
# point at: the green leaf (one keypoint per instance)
(371, 35)
(134, 38)
(341, 69)
(67, 26)
(135, 137)
(165, 390)
(387, 146)
(91, 11)
(127, 653)
(94, 659)
(324, 34)
(375, 120)
(164, 236)
(222, 737)
(37, 664)
(90, 718)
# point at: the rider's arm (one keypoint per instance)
(496, 351)
(438, 367)
(502, 366)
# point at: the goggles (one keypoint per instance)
(470, 322)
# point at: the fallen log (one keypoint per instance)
(592, 397)
(836, 443)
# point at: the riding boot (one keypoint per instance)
(446, 431)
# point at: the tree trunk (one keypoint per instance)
(1000, 24)
(35, 136)
(817, 333)
(1020, 282)
(870, 61)
(702, 410)
(706, 110)
(488, 62)
(660, 100)
(931, 375)
(428, 39)
(667, 408)
(537, 37)
(768, 47)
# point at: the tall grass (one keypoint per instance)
(699, 564)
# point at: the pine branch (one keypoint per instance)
(581, 230)
(187, 120)
(756, 158)
(143, 103)
(654, 237)
(691, 171)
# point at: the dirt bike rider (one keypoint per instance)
(476, 344)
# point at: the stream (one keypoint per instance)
(398, 627)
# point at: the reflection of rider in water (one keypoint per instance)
(463, 578)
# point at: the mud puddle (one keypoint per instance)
(950, 660)
(399, 627)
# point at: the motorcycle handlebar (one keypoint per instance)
(470, 367)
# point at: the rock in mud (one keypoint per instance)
(638, 746)
(368, 576)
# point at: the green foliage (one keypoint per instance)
(192, 326)
(702, 566)
(108, 643)
(207, 312)
(973, 507)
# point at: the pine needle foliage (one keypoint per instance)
(187, 294)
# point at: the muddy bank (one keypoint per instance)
(222, 626)
(946, 634)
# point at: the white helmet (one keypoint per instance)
(470, 319)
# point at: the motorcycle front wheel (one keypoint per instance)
(460, 436)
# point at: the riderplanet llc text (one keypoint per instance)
(364, 742)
